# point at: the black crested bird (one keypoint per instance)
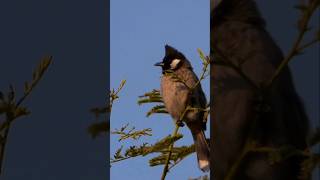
(239, 36)
(177, 96)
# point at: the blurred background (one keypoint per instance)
(52, 143)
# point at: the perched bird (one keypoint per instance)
(239, 37)
(177, 96)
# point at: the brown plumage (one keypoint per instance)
(238, 35)
(177, 96)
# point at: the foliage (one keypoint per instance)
(103, 127)
(131, 133)
(170, 155)
(306, 10)
(167, 154)
(12, 108)
(282, 153)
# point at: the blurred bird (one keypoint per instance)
(239, 37)
(177, 97)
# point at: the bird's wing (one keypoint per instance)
(196, 99)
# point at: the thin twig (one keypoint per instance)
(3, 146)
(235, 166)
(121, 159)
(296, 46)
(11, 118)
(309, 44)
(166, 166)
(177, 162)
(249, 147)
(206, 63)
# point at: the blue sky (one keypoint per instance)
(139, 31)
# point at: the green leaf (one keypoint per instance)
(202, 56)
(21, 111)
(118, 155)
(157, 109)
(150, 97)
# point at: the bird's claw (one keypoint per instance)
(180, 123)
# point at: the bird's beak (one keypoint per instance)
(159, 64)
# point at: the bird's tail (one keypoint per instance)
(202, 150)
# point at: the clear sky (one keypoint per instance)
(139, 31)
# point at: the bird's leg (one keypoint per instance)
(180, 123)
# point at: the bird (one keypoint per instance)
(239, 37)
(177, 96)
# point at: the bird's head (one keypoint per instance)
(172, 60)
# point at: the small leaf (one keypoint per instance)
(123, 82)
(202, 56)
(157, 109)
(21, 111)
(118, 155)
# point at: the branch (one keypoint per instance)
(166, 166)
(103, 127)
(182, 155)
(131, 133)
(14, 110)
(303, 27)
(143, 150)
(165, 146)
(206, 62)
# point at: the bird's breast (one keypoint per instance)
(174, 95)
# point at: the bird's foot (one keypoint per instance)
(180, 123)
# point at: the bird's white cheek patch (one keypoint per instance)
(174, 63)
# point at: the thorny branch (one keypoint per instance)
(131, 133)
(277, 154)
(13, 110)
(166, 166)
(307, 12)
(165, 146)
(104, 126)
(206, 62)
